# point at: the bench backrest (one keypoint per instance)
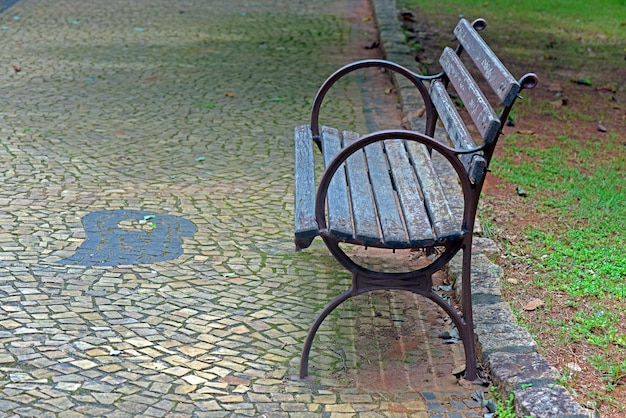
(487, 122)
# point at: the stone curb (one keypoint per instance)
(504, 348)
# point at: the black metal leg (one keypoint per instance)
(467, 334)
(304, 359)
(418, 281)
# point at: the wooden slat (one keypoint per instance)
(339, 219)
(304, 202)
(416, 218)
(389, 216)
(499, 78)
(442, 217)
(454, 125)
(366, 225)
(477, 106)
(460, 137)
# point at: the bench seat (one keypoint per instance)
(386, 195)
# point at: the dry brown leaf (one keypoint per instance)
(525, 132)
(465, 384)
(608, 87)
(533, 304)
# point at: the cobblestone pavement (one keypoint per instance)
(147, 264)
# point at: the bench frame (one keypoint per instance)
(469, 161)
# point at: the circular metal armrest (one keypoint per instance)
(415, 78)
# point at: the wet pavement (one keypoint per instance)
(146, 204)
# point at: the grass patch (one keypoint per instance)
(559, 33)
(581, 185)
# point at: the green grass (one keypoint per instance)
(602, 20)
(574, 32)
(582, 186)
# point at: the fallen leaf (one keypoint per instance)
(371, 45)
(17, 68)
(458, 370)
(608, 87)
(465, 384)
(367, 19)
(420, 112)
(533, 304)
(583, 81)
(230, 95)
(601, 127)
(525, 132)
(389, 90)
(200, 158)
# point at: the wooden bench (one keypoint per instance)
(384, 190)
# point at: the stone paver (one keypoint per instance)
(147, 266)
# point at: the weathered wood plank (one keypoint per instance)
(460, 137)
(366, 225)
(416, 218)
(304, 199)
(500, 79)
(454, 125)
(442, 217)
(339, 218)
(477, 106)
(394, 235)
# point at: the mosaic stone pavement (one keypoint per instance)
(147, 264)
